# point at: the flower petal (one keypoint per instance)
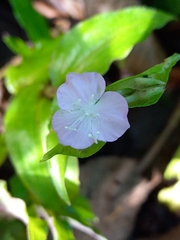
(112, 122)
(79, 89)
(77, 138)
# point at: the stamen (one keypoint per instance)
(75, 105)
(86, 114)
(70, 128)
(73, 126)
(93, 137)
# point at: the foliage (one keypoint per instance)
(50, 189)
(170, 195)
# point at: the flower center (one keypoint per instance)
(87, 114)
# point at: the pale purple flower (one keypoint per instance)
(87, 114)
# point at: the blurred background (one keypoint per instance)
(129, 175)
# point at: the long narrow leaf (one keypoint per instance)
(33, 23)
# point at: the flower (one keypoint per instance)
(87, 114)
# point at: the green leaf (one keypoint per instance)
(146, 88)
(18, 190)
(17, 45)
(12, 230)
(33, 23)
(64, 174)
(83, 207)
(64, 171)
(67, 150)
(94, 43)
(57, 169)
(3, 149)
(33, 67)
(169, 196)
(37, 229)
(172, 169)
(26, 137)
(72, 177)
(62, 230)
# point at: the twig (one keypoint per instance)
(159, 143)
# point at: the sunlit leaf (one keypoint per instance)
(37, 229)
(61, 230)
(94, 43)
(72, 177)
(173, 168)
(57, 169)
(17, 45)
(64, 171)
(170, 195)
(25, 136)
(33, 67)
(146, 88)
(33, 23)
